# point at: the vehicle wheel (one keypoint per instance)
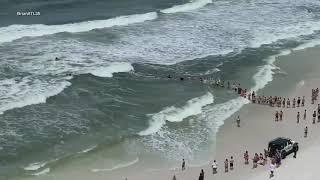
(283, 154)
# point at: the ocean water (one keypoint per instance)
(106, 104)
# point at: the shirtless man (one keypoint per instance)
(294, 103)
(305, 115)
(298, 117)
(277, 116)
(302, 103)
(284, 103)
(281, 115)
(298, 101)
(314, 117)
(288, 103)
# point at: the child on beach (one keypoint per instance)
(231, 163)
(226, 166)
(305, 115)
(298, 117)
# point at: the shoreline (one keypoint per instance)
(257, 129)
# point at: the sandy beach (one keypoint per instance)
(258, 127)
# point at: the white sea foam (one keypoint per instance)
(14, 32)
(119, 166)
(194, 4)
(291, 31)
(20, 93)
(35, 166)
(211, 71)
(45, 171)
(309, 44)
(177, 114)
(88, 149)
(112, 68)
(265, 72)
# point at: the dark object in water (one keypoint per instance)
(181, 79)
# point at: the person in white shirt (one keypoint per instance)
(272, 168)
(214, 167)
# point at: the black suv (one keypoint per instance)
(284, 145)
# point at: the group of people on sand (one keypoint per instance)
(262, 158)
(257, 159)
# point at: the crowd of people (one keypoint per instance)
(262, 158)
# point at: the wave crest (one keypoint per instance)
(176, 114)
(196, 4)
